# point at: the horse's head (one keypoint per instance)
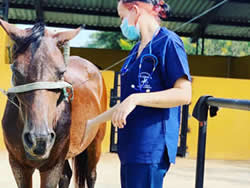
(37, 58)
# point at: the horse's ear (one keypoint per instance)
(65, 36)
(12, 30)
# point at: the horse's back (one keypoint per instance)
(89, 99)
(82, 72)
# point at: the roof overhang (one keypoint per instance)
(230, 20)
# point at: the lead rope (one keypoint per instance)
(11, 101)
(66, 55)
(66, 52)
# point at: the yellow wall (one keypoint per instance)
(240, 67)
(101, 57)
(208, 66)
(109, 81)
(229, 132)
(211, 66)
(5, 75)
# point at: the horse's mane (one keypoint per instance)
(34, 39)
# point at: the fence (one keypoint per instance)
(204, 105)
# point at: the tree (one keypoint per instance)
(226, 47)
(115, 40)
(111, 40)
(189, 47)
(105, 40)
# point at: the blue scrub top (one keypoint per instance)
(150, 130)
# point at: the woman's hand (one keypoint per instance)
(123, 110)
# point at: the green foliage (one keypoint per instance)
(110, 40)
(126, 44)
(189, 47)
(226, 48)
(218, 47)
(115, 40)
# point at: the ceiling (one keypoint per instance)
(230, 20)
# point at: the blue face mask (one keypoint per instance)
(131, 32)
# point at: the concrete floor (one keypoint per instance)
(219, 174)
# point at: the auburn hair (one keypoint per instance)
(157, 8)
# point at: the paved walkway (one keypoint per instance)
(219, 174)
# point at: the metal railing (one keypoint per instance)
(4, 9)
(204, 105)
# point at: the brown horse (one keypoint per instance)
(43, 131)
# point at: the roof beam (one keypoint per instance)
(236, 1)
(219, 37)
(68, 10)
(39, 10)
(204, 21)
(246, 23)
(241, 1)
(111, 13)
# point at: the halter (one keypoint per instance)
(64, 86)
(44, 86)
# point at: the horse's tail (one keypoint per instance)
(80, 164)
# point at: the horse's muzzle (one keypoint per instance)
(38, 146)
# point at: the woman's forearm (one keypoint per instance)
(180, 94)
(163, 99)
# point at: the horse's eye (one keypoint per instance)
(61, 74)
(18, 75)
(56, 90)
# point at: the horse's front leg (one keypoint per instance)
(23, 176)
(51, 177)
(66, 176)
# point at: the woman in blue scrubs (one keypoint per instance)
(155, 82)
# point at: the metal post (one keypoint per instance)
(5, 10)
(197, 47)
(200, 112)
(113, 101)
(184, 129)
(39, 10)
(203, 46)
(200, 163)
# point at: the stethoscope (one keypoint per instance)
(150, 56)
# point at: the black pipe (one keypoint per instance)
(200, 112)
(184, 129)
(229, 103)
(200, 163)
